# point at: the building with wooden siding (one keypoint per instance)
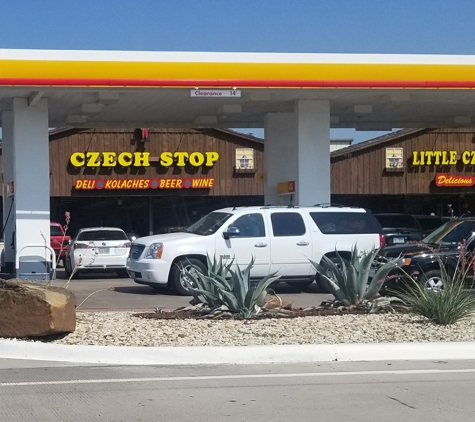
(419, 171)
(202, 170)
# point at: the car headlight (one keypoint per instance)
(154, 251)
(401, 262)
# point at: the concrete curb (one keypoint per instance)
(231, 355)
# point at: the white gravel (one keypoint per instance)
(123, 329)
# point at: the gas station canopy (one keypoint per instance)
(193, 89)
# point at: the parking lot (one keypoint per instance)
(107, 292)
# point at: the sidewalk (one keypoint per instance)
(17, 349)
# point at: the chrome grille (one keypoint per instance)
(136, 250)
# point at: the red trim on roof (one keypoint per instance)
(231, 82)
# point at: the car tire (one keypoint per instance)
(300, 284)
(68, 269)
(432, 280)
(176, 274)
(321, 282)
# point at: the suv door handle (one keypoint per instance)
(260, 245)
(302, 243)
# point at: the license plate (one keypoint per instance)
(103, 250)
(398, 239)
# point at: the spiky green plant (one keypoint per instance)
(229, 289)
(204, 287)
(349, 281)
(442, 306)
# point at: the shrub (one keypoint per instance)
(449, 304)
(230, 290)
(442, 307)
(349, 280)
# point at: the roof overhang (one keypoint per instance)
(153, 88)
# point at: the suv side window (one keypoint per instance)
(250, 225)
(287, 224)
(346, 222)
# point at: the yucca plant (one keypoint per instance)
(228, 289)
(443, 307)
(349, 281)
(447, 305)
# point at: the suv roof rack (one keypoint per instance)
(329, 204)
(279, 206)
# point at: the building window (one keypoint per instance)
(245, 158)
(394, 158)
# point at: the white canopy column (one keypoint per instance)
(297, 149)
(26, 201)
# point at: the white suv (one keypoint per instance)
(280, 239)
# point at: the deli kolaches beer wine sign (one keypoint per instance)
(142, 159)
(116, 184)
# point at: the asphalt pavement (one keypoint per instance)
(108, 292)
(357, 392)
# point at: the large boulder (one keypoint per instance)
(33, 310)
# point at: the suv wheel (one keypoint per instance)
(321, 282)
(177, 274)
(300, 284)
(432, 280)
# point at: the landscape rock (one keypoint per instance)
(33, 310)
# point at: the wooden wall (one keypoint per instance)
(362, 171)
(227, 180)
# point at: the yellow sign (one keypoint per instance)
(442, 158)
(284, 188)
(141, 159)
(438, 158)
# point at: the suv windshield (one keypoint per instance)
(451, 233)
(209, 224)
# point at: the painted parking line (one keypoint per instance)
(235, 377)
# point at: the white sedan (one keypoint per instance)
(98, 249)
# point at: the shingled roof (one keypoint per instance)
(380, 140)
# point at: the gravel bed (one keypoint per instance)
(123, 329)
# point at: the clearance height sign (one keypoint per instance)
(118, 184)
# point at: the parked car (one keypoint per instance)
(421, 260)
(97, 249)
(59, 241)
(280, 239)
(399, 228)
(429, 223)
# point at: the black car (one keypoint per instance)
(429, 223)
(452, 244)
(399, 228)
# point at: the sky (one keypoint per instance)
(306, 26)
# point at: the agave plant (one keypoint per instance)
(205, 287)
(228, 289)
(349, 280)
